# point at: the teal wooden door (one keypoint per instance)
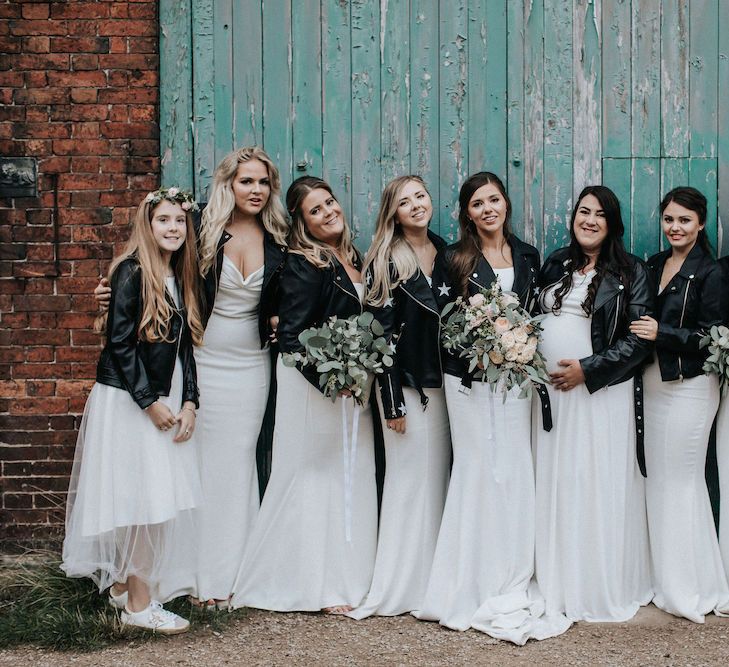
(549, 94)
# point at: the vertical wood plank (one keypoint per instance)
(616, 79)
(453, 111)
(587, 91)
(675, 78)
(336, 93)
(395, 81)
(558, 110)
(723, 139)
(515, 114)
(674, 173)
(424, 85)
(203, 97)
(617, 175)
(534, 124)
(176, 99)
(223, 69)
(646, 99)
(307, 102)
(703, 177)
(703, 75)
(247, 74)
(366, 169)
(486, 44)
(277, 87)
(645, 198)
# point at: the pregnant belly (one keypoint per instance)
(565, 337)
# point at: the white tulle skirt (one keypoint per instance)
(416, 479)
(129, 483)
(484, 559)
(722, 459)
(688, 575)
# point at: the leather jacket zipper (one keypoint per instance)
(680, 324)
(354, 296)
(615, 325)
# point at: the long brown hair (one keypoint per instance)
(154, 322)
(468, 250)
(303, 243)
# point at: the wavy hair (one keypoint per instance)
(219, 211)
(154, 322)
(695, 201)
(468, 250)
(390, 259)
(613, 256)
(301, 241)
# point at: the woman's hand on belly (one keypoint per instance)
(569, 375)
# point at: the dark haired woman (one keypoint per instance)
(299, 557)
(592, 540)
(680, 405)
(484, 558)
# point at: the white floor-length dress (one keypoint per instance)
(482, 574)
(416, 479)
(722, 460)
(688, 574)
(298, 557)
(130, 483)
(592, 559)
(233, 378)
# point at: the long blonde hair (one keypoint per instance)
(154, 323)
(218, 212)
(389, 246)
(303, 243)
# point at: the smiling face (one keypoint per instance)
(323, 216)
(414, 206)
(488, 208)
(681, 226)
(251, 187)
(169, 227)
(590, 225)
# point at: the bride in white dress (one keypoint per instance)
(592, 559)
(299, 556)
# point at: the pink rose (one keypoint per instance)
(476, 300)
(186, 205)
(501, 325)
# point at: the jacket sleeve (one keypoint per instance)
(189, 369)
(443, 289)
(121, 333)
(299, 306)
(389, 381)
(712, 306)
(629, 351)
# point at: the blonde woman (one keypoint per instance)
(298, 556)
(241, 249)
(398, 267)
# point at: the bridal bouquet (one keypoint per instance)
(498, 338)
(717, 340)
(344, 352)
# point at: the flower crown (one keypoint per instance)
(182, 197)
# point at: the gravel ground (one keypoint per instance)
(263, 638)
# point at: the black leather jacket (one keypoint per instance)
(144, 369)
(308, 297)
(273, 261)
(526, 269)
(692, 302)
(724, 266)
(412, 316)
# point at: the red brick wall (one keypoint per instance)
(79, 91)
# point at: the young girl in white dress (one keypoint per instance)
(299, 557)
(411, 398)
(592, 559)
(482, 573)
(135, 470)
(680, 404)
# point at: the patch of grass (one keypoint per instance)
(42, 607)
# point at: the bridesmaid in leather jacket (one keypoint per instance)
(397, 273)
(681, 402)
(313, 545)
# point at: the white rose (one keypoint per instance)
(508, 340)
(511, 355)
(521, 335)
(172, 192)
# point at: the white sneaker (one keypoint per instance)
(118, 601)
(155, 618)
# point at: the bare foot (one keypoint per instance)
(338, 610)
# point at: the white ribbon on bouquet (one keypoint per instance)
(349, 453)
